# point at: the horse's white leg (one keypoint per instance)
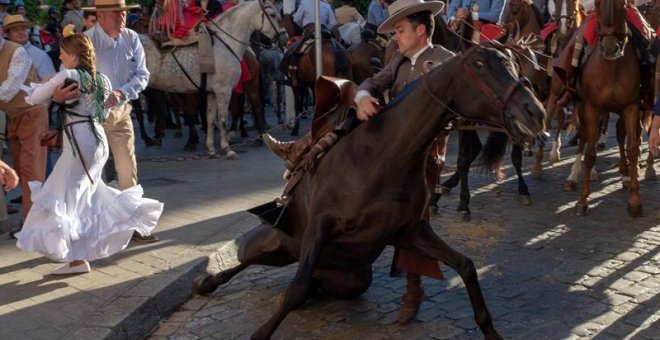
(222, 101)
(571, 181)
(210, 124)
(555, 153)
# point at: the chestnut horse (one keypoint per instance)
(568, 19)
(610, 82)
(362, 197)
(521, 19)
(335, 63)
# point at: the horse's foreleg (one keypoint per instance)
(428, 243)
(623, 159)
(222, 104)
(314, 240)
(260, 245)
(590, 122)
(523, 192)
(634, 140)
(210, 124)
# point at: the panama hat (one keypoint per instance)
(403, 8)
(15, 20)
(110, 5)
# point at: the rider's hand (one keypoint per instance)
(62, 94)
(462, 13)
(367, 107)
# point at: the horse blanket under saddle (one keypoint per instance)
(633, 18)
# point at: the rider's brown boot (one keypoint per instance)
(290, 152)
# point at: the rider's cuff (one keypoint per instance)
(361, 94)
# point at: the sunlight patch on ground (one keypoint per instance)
(549, 235)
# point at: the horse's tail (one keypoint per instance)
(493, 151)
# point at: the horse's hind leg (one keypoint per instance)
(428, 243)
(260, 245)
(523, 192)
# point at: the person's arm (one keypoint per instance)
(453, 6)
(367, 103)
(19, 68)
(299, 14)
(332, 19)
(493, 14)
(140, 79)
(42, 93)
(8, 176)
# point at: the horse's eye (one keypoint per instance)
(479, 64)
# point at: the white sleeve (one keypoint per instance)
(41, 93)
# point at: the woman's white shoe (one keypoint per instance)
(67, 269)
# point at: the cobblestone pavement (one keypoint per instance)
(545, 273)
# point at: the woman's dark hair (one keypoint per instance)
(423, 18)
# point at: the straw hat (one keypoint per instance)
(110, 5)
(403, 8)
(15, 20)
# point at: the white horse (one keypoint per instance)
(351, 32)
(231, 34)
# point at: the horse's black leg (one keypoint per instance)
(314, 240)
(516, 158)
(428, 243)
(260, 245)
(298, 95)
(471, 147)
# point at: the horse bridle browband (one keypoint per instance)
(264, 13)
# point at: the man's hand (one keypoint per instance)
(367, 107)
(8, 176)
(462, 13)
(62, 94)
(114, 98)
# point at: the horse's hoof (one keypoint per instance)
(202, 284)
(445, 190)
(634, 210)
(570, 186)
(525, 200)
(649, 174)
(463, 216)
(581, 209)
(232, 155)
(554, 158)
(537, 171)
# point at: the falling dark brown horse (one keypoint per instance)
(362, 197)
(335, 63)
(610, 82)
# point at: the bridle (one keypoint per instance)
(501, 103)
(621, 37)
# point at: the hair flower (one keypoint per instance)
(69, 30)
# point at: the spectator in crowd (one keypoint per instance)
(377, 13)
(33, 32)
(26, 123)
(16, 28)
(89, 19)
(347, 13)
(78, 231)
(53, 26)
(74, 16)
(484, 11)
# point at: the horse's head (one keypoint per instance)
(270, 22)
(487, 88)
(612, 28)
(515, 14)
(567, 16)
